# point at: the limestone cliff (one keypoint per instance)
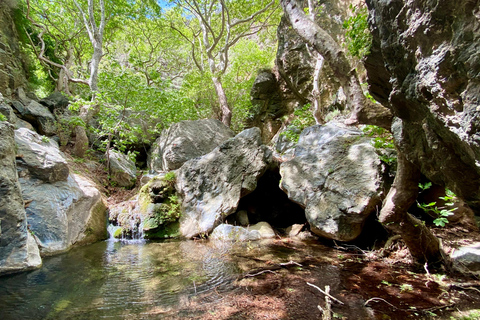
(425, 67)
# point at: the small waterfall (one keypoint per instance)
(130, 229)
(136, 226)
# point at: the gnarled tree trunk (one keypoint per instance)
(423, 245)
(363, 111)
(222, 100)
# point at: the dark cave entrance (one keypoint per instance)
(269, 203)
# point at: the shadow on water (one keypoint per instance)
(121, 279)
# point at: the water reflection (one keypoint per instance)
(116, 279)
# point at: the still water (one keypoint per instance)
(117, 280)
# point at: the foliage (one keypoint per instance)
(45, 139)
(358, 36)
(170, 177)
(382, 140)
(170, 210)
(303, 118)
(3, 118)
(441, 213)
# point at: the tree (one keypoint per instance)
(423, 245)
(362, 109)
(218, 26)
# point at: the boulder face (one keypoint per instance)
(337, 176)
(211, 186)
(41, 156)
(122, 170)
(64, 213)
(425, 67)
(186, 140)
(36, 114)
(12, 69)
(18, 250)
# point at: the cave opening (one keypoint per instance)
(269, 203)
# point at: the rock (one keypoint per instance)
(337, 176)
(294, 230)
(7, 111)
(186, 140)
(469, 256)
(40, 156)
(18, 250)
(241, 217)
(227, 232)
(425, 67)
(13, 69)
(122, 170)
(81, 142)
(55, 101)
(39, 116)
(264, 228)
(64, 213)
(153, 214)
(211, 186)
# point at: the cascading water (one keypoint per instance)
(130, 230)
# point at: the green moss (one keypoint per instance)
(118, 233)
(170, 230)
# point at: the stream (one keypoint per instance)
(127, 279)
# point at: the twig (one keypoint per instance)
(258, 273)
(327, 314)
(375, 299)
(325, 293)
(290, 263)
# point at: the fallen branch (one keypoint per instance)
(248, 275)
(408, 310)
(327, 313)
(325, 293)
(380, 299)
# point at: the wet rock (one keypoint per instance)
(64, 213)
(122, 170)
(40, 156)
(227, 232)
(264, 228)
(186, 140)
(337, 176)
(18, 250)
(425, 67)
(211, 186)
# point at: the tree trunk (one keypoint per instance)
(423, 245)
(333, 54)
(94, 64)
(222, 100)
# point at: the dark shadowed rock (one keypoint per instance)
(18, 250)
(425, 67)
(337, 176)
(55, 101)
(186, 140)
(36, 114)
(211, 186)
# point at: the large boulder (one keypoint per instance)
(18, 250)
(336, 175)
(41, 156)
(36, 114)
(55, 102)
(186, 140)
(211, 186)
(122, 170)
(425, 67)
(64, 213)
(227, 232)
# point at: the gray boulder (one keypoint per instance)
(64, 213)
(337, 176)
(18, 250)
(55, 101)
(39, 116)
(264, 228)
(186, 140)
(40, 156)
(227, 232)
(211, 186)
(122, 170)
(469, 256)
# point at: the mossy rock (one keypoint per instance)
(170, 230)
